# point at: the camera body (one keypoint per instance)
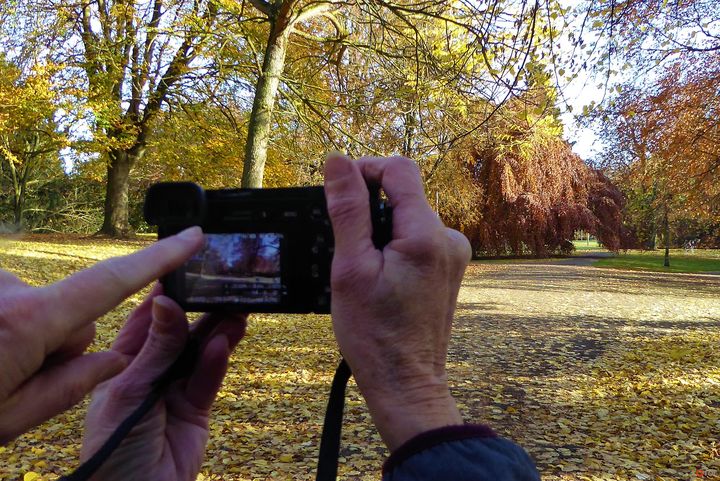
(266, 250)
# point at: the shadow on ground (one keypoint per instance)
(597, 373)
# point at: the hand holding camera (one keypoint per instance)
(392, 309)
(393, 297)
(170, 440)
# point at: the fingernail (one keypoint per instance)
(337, 165)
(191, 233)
(334, 153)
(162, 314)
(223, 339)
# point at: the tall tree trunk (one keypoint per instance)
(666, 226)
(263, 104)
(409, 137)
(116, 223)
(653, 220)
(19, 208)
(17, 196)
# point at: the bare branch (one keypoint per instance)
(263, 6)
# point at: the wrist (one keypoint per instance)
(404, 412)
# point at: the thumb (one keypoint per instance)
(348, 206)
(165, 341)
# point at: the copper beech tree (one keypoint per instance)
(533, 191)
(534, 205)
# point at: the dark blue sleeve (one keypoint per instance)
(460, 453)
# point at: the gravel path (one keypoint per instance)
(523, 329)
(585, 260)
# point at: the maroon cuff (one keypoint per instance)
(434, 437)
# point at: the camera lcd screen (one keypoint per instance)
(236, 268)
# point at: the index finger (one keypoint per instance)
(401, 181)
(83, 297)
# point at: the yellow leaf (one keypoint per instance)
(286, 458)
(31, 476)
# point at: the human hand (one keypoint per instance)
(169, 442)
(392, 309)
(44, 331)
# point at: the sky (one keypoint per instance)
(577, 94)
(584, 90)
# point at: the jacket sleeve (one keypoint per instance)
(460, 453)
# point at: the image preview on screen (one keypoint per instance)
(236, 268)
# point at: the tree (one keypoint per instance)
(29, 139)
(201, 143)
(660, 123)
(282, 16)
(534, 192)
(687, 107)
(663, 143)
(368, 77)
(125, 57)
(639, 36)
(129, 61)
(395, 64)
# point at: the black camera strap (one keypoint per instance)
(182, 365)
(329, 443)
(88, 468)
(332, 428)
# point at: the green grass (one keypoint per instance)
(706, 260)
(583, 245)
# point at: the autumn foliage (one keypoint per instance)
(663, 146)
(532, 193)
(535, 204)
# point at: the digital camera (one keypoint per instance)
(266, 250)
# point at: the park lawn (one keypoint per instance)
(706, 260)
(641, 405)
(582, 248)
(583, 245)
(510, 260)
(267, 420)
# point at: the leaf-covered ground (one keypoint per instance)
(600, 374)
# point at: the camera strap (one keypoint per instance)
(329, 442)
(332, 427)
(181, 366)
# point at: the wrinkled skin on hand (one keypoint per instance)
(169, 442)
(44, 331)
(392, 310)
